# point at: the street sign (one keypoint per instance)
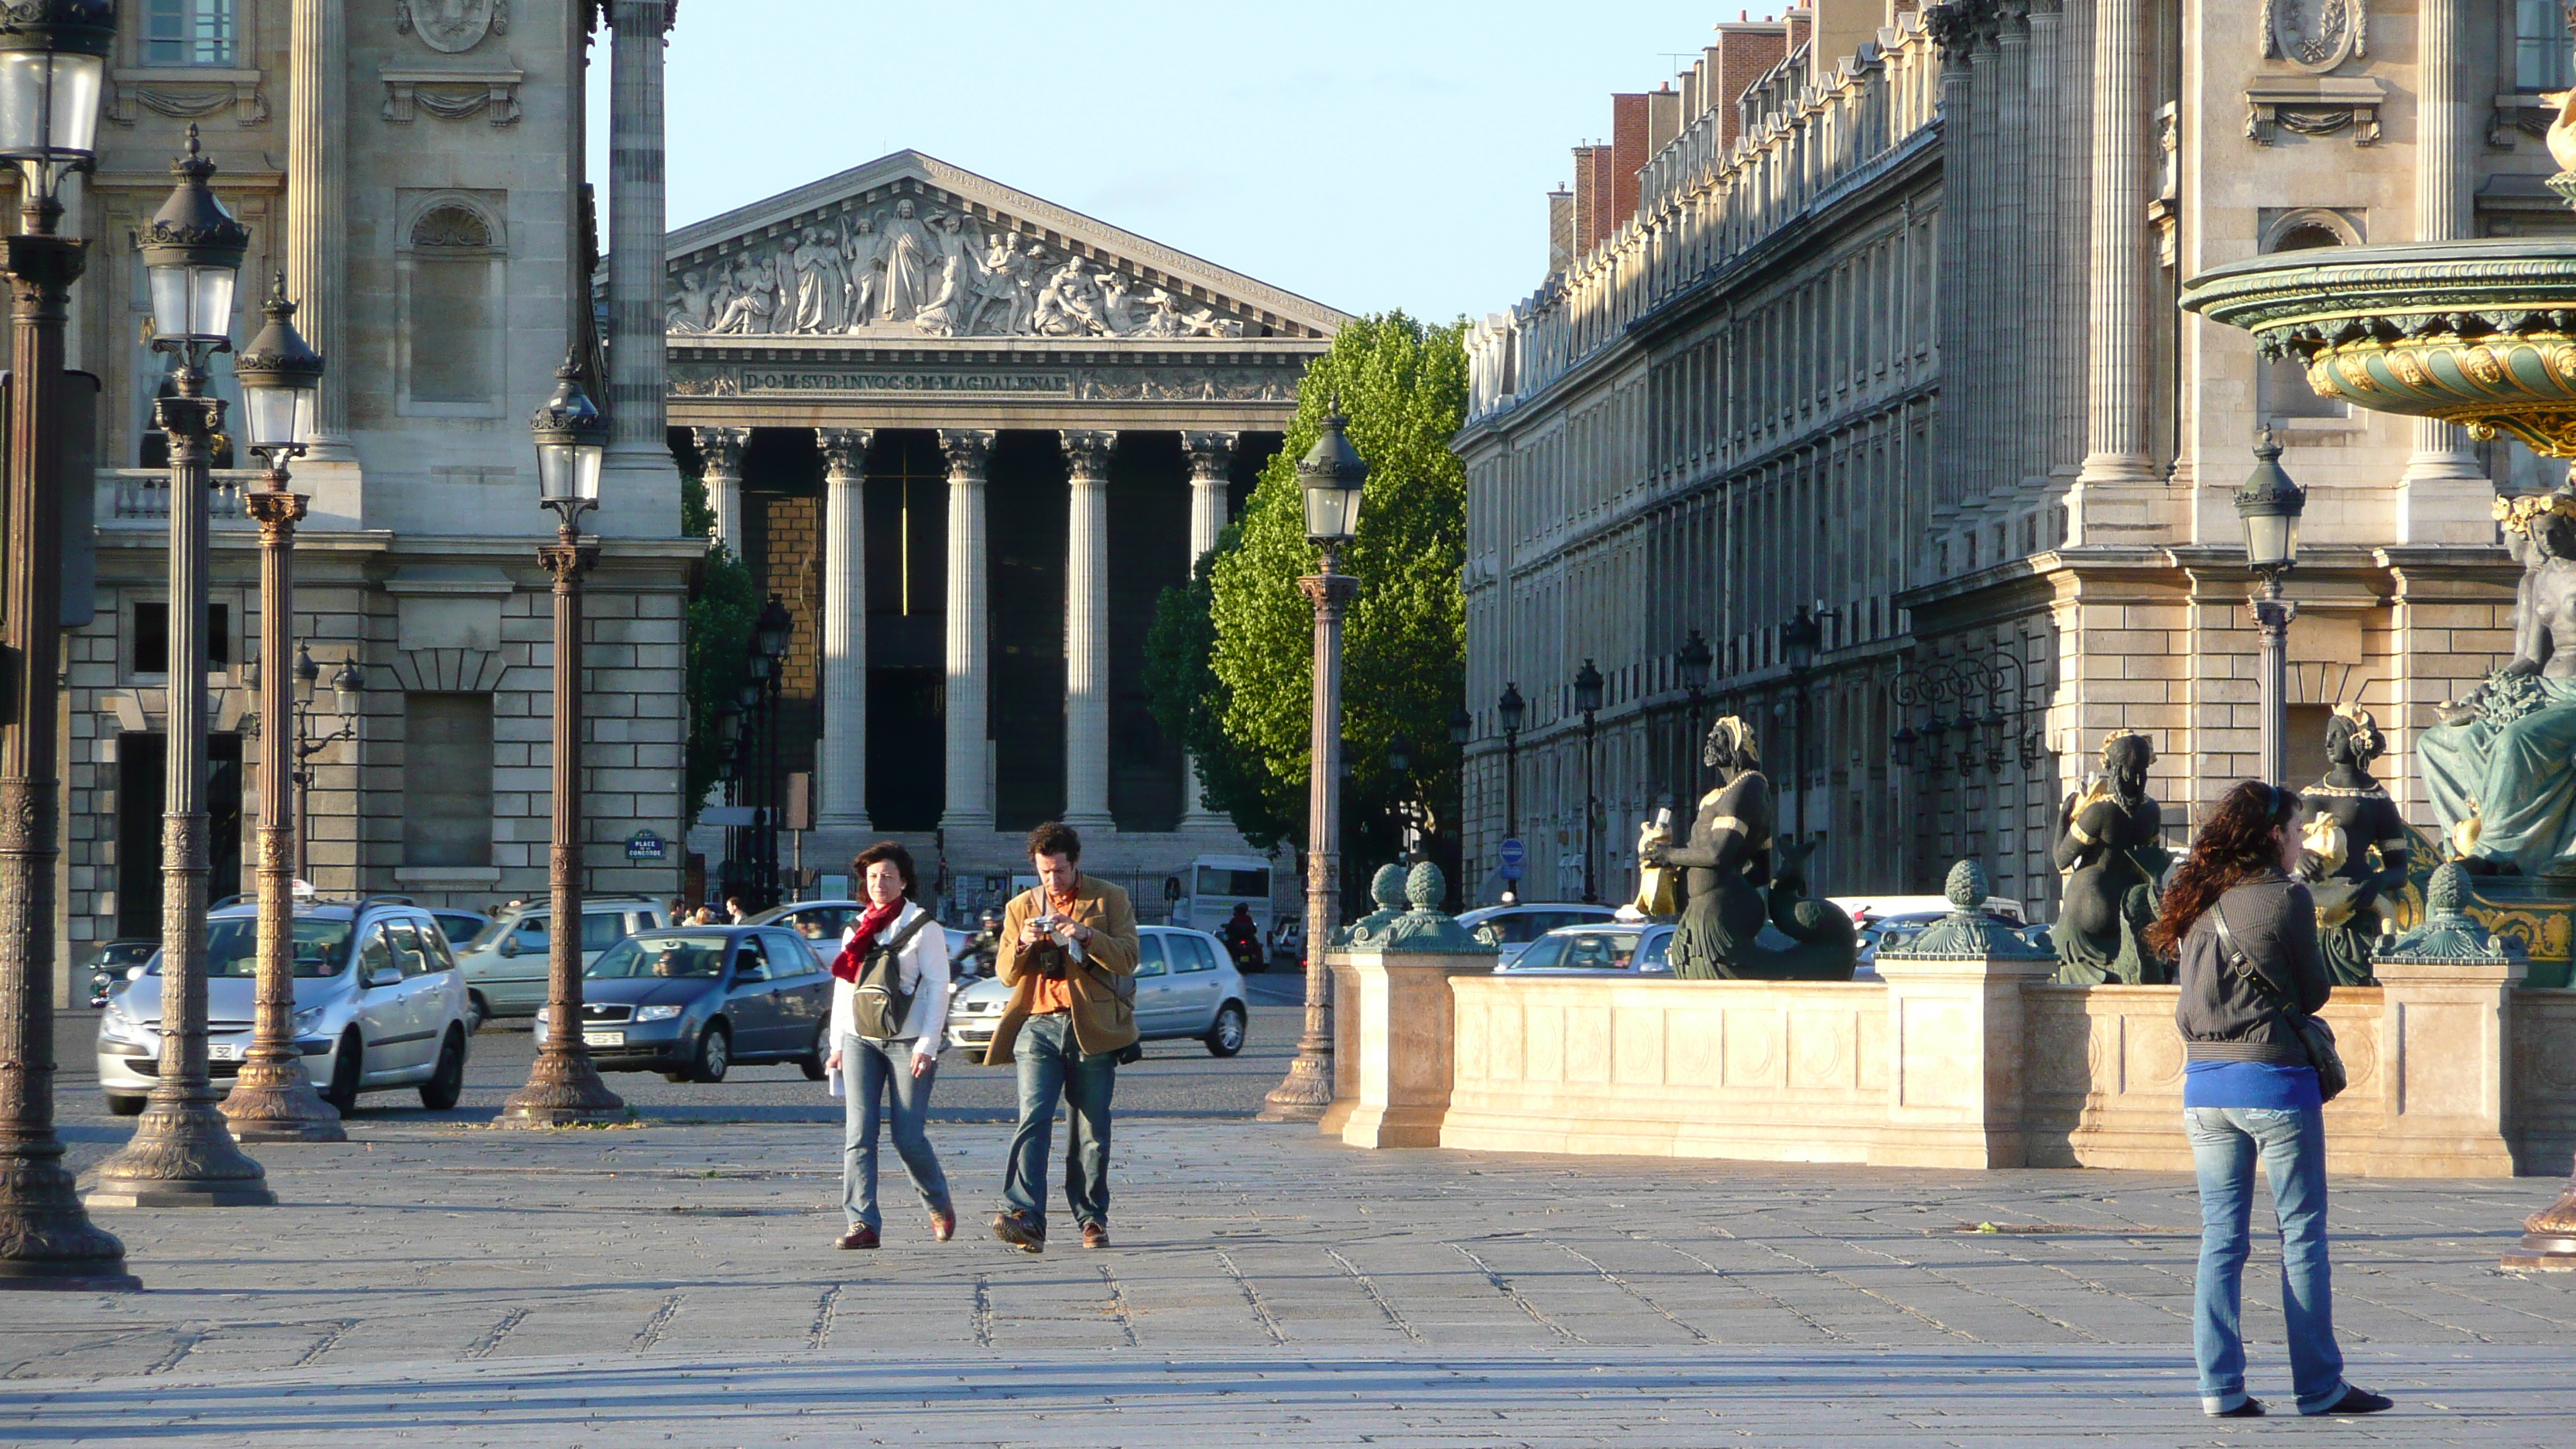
(645, 845)
(1514, 856)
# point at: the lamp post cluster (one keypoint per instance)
(747, 728)
(1977, 708)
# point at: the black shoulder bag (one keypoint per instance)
(2314, 1036)
(878, 1002)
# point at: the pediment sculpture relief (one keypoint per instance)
(895, 270)
(452, 27)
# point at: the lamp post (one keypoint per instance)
(1587, 698)
(772, 632)
(1332, 474)
(346, 682)
(1408, 803)
(53, 64)
(182, 1155)
(274, 1099)
(1693, 662)
(1798, 641)
(2270, 504)
(564, 1089)
(1511, 711)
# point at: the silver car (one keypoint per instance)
(1510, 929)
(1185, 988)
(378, 1006)
(505, 966)
(1608, 949)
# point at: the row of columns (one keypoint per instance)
(842, 756)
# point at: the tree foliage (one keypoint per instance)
(718, 631)
(1403, 387)
(1189, 702)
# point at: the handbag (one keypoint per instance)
(2314, 1036)
(878, 1003)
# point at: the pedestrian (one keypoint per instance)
(736, 914)
(889, 1014)
(2246, 932)
(1068, 953)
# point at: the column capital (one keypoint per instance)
(643, 18)
(722, 448)
(968, 450)
(845, 450)
(1086, 453)
(1211, 454)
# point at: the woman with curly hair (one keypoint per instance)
(2246, 932)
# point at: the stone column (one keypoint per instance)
(2015, 310)
(969, 804)
(2073, 191)
(2444, 497)
(1950, 451)
(640, 485)
(722, 449)
(1210, 455)
(1086, 631)
(844, 753)
(317, 208)
(2116, 435)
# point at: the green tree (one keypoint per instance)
(1403, 386)
(1189, 702)
(718, 631)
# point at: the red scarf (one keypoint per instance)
(863, 939)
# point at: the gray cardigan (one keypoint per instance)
(2222, 1017)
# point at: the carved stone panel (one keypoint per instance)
(452, 27)
(2315, 35)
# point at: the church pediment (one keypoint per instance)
(909, 247)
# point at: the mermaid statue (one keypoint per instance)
(2353, 853)
(1733, 890)
(2110, 851)
(2501, 767)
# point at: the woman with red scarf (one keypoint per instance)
(902, 1066)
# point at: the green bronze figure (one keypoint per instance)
(2110, 851)
(2353, 854)
(2501, 767)
(1733, 892)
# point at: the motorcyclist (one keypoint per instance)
(975, 958)
(1242, 937)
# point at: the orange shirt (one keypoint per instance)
(1048, 994)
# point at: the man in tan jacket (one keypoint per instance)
(1068, 952)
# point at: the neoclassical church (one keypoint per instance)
(968, 437)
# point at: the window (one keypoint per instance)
(794, 955)
(152, 638)
(447, 780)
(1217, 881)
(750, 962)
(2541, 57)
(1200, 956)
(1149, 956)
(452, 309)
(601, 930)
(409, 955)
(194, 32)
(373, 957)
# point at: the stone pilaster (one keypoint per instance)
(2073, 242)
(639, 489)
(1086, 630)
(722, 450)
(2116, 412)
(317, 209)
(1951, 452)
(969, 804)
(844, 750)
(2444, 495)
(2015, 309)
(1210, 456)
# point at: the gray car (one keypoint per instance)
(692, 1003)
(1510, 929)
(1186, 988)
(505, 965)
(1607, 949)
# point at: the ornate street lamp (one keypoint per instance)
(772, 633)
(1587, 698)
(1511, 711)
(1332, 474)
(182, 1155)
(2270, 504)
(346, 683)
(53, 64)
(564, 1089)
(1693, 662)
(1799, 640)
(274, 1099)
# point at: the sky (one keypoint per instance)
(1369, 156)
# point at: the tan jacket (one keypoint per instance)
(1103, 1019)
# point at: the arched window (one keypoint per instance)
(190, 32)
(451, 265)
(2284, 390)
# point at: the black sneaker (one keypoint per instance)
(2252, 1408)
(2359, 1401)
(1015, 1230)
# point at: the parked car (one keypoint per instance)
(378, 1005)
(505, 964)
(1512, 928)
(460, 925)
(693, 1002)
(1185, 989)
(110, 963)
(1614, 949)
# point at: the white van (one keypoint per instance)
(1216, 884)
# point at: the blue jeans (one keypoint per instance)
(2225, 1141)
(1053, 1066)
(868, 1070)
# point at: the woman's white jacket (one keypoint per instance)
(924, 973)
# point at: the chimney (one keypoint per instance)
(1842, 28)
(1606, 215)
(1744, 51)
(1560, 230)
(1628, 152)
(1663, 119)
(1586, 203)
(1800, 22)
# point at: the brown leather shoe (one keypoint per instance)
(1015, 1230)
(943, 1226)
(861, 1236)
(1095, 1235)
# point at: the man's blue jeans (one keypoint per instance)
(878, 1077)
(1052, 1066)
(2225, 1141)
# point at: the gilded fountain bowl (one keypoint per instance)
(2480, 333)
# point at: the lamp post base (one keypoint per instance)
(277, 1103)
(53, 1247)
(563, 1091)
(181, 1156)
(2548, 1239)
(1308, 1088)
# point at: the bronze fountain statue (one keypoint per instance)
(2353, 854)
(2110, 850)
(1734, 891)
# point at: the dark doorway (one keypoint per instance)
(142, 763)
(1025, 505)
(907, 776)
(906, 499)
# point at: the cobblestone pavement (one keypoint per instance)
(676, 1284)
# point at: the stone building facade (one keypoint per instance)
(967, 437)
(1890, 339)
(415, 171)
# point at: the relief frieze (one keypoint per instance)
(1078, 385)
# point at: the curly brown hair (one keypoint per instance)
(2234, 847)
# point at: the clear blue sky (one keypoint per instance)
(1368, 155)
